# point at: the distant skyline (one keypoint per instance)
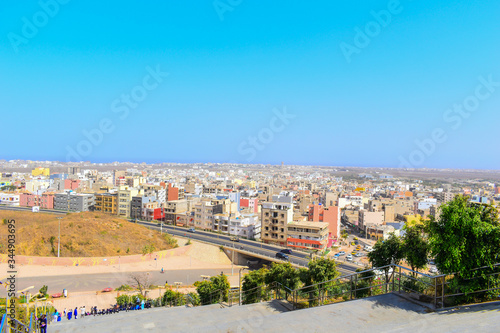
(361, 84)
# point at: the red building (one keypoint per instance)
(253, 204)
(172, 193)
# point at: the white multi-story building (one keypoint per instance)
(9, 199)
(241, 225)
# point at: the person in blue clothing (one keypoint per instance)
(76, 313)
(69, 315)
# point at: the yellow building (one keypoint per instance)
(40, 172)
(106, 202)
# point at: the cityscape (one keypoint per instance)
(241, 166)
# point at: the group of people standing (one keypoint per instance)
(74, 313)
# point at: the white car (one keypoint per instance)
(349, 257)
(433, 269)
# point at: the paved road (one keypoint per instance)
(297, 257)
(99, 281)
(24, 209)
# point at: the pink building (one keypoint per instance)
(331, 215)
(71, 184)
(253, 204)
(44, 201)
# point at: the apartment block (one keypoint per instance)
(9, 199)
(366, 217)
(275, 217)
(251, 203)
(330, 215)
(106, 202)
(239, 225)
(40, 172)
(205, 211)
(44, 201)
(444, 197)
(308, 235)
(74, 202)
(174, 208)
(125, 195)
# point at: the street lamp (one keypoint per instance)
(59, 241)
(239, 281)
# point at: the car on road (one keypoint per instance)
(234, 239)
(349, 257)
(355, 238)
(433, 269)
(191, 230)
(280, 255)
(286, 251)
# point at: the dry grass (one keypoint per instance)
(89, 234)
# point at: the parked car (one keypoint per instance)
(341, 253)
(191, 230)
(349, 257)
(234, 239)
(359, 254)
(280, 255)
(433, 269)
(287, 251)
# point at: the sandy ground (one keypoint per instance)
(201, 256)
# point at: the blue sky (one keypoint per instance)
(228, 78)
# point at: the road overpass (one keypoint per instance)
(244, 246)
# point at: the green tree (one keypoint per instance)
(123, 300)
(364, 281)
(464, 237)
(322, 270)
(43, 291)
(283, 273)
(251, 292)
(205, 290)
(173, 298)
(386, 252)
(415, 247)
(214, 290)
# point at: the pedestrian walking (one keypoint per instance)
(69, 315)
(76, 313)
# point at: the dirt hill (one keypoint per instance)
(87, 234)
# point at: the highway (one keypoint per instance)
(244, 245)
